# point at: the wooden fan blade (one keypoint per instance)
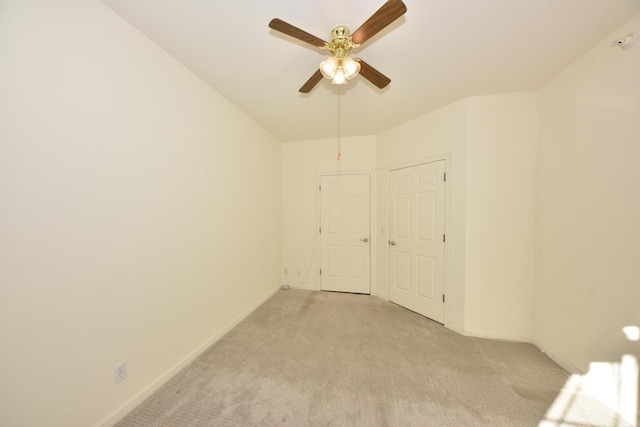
(312, 82)
(295, 32)
(389, 12)
(373, 75)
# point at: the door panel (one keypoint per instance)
(426, 277)
(416, 227)
(403, 207)
(402, 270)
(345, 256)
(356, 214)
(334, 261)
(427, 203)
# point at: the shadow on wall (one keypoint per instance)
(607, 395)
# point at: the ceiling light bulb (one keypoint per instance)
(328, 68)
(339, 78)
(351, 67)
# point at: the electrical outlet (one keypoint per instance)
(120, 372)
(298, 272)
(286, 271)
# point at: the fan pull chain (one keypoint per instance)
(339, 125)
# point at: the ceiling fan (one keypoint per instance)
(341, 67)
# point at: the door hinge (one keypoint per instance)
(444, 237)
(321, 272)
(319, 187)
(320, 229)
(445, 177)
(442, 297)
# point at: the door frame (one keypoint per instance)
(447, 220)
(372, 228)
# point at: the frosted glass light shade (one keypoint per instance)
(329, 67)
(339, 78)
(351, 68)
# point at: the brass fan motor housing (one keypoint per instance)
(341, 43)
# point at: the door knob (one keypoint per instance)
(392, 243)
(364, 240)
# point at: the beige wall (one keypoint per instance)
(588, 209)
(140, 213)
(301, 162)
(438, 134)
(502, 138)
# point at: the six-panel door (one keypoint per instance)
(345, 254)
(416, 238)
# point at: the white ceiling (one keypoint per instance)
(439, 52)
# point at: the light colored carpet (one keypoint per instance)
(326, 359)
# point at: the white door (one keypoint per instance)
(345, 255)
(416, 238)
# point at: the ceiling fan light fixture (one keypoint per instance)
(340, 67)
(351, 67)
(339, 78)
(329, 67)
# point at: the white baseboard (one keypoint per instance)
(564, 363)
(497, 336)
(303, 288)
(455, 328)
(171, 372)
(568, 366)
